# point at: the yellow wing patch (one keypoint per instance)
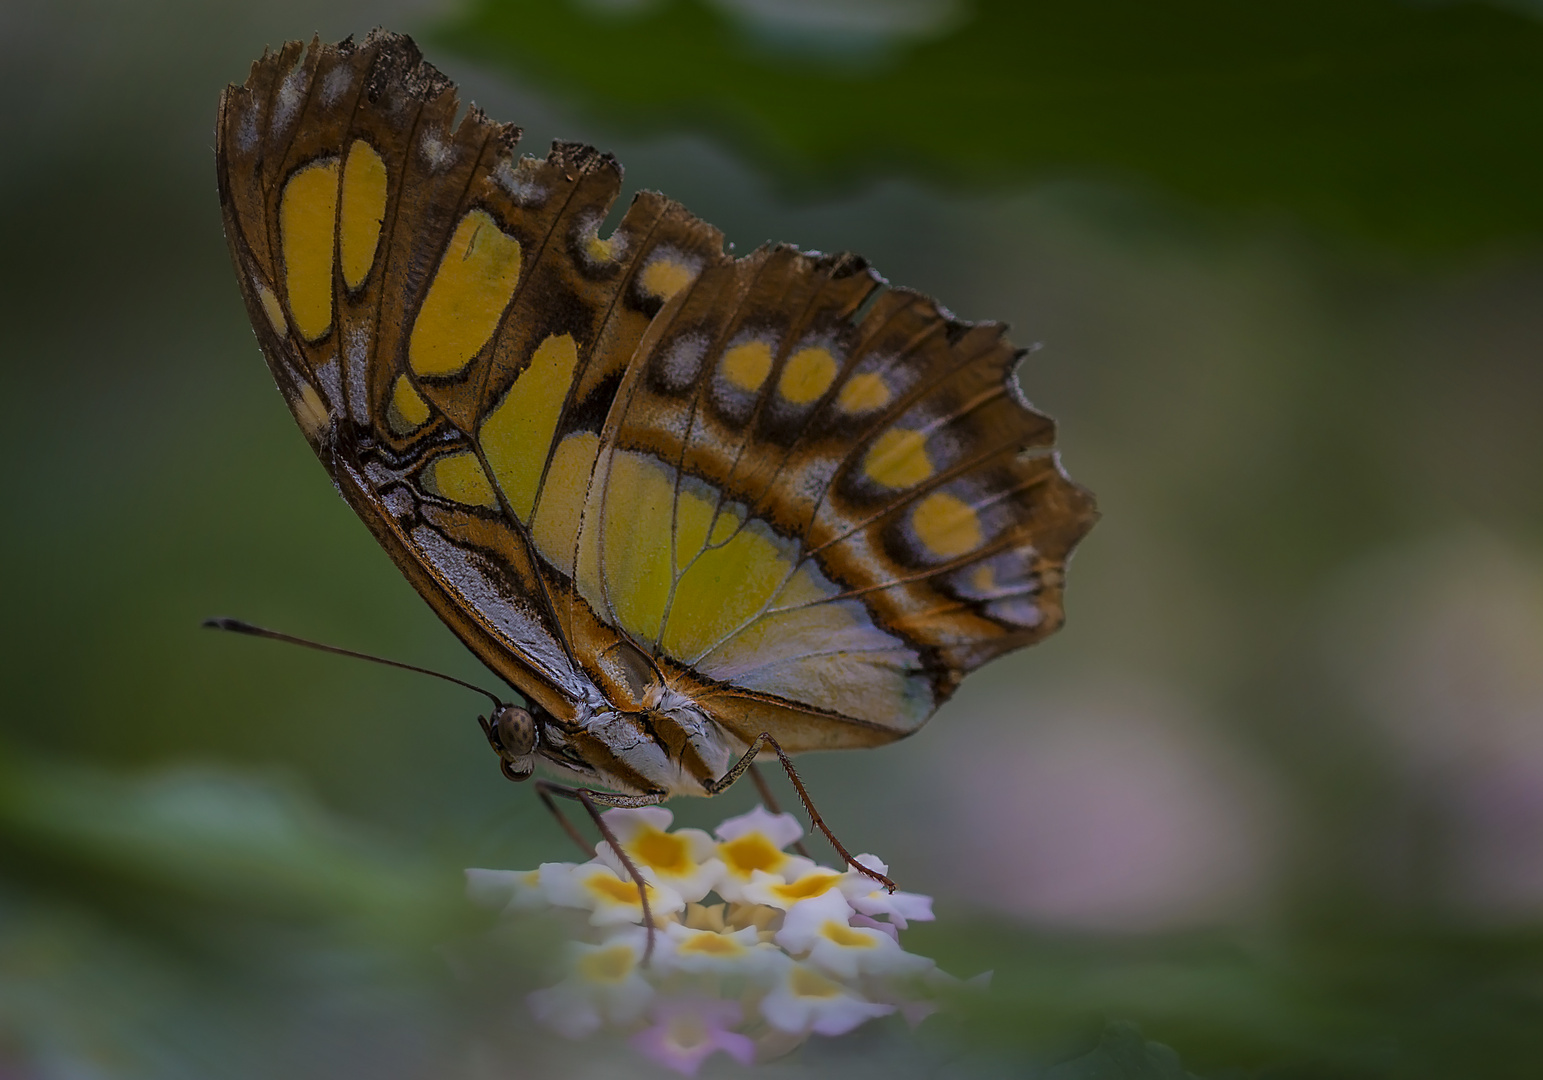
(307, 213)
(947, 525)
(474, 283)
(664, 276)
(898, 459)
(638, 525)
(746, 366)
(807, 375)
(459, 476)
(723, 589)
(271, 307)
(700, 520)
(863, 393)
(559, 511)
(518, 432)
(362, 213)
(408, 411)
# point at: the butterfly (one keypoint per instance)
(687, 505)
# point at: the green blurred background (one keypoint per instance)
(1274, 795)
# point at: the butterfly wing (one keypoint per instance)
(632, 465)
(820, 503)
(436, 311)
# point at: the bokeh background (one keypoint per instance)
(1274, 796)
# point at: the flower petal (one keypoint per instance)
(806, 1000)
(780, 829)
(516, 890)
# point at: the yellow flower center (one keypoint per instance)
(661, 851)
(751, 852)
(757, 915)
(806, 983)
(704, 917)
(810, 885)
(710, 944)
(607, 965)
(614, 889)
(845, 936)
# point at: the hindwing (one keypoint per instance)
(860, 507)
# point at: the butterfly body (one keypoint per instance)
(676, 499)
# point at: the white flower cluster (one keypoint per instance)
(790, 948)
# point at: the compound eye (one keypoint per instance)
(516, 730)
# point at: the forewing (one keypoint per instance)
(440, 315)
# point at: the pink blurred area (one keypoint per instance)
(1119, 804)
(1107, 807)
(1441, 644)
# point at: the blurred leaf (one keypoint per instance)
(217, 844)
(152, 925)
(1413, 125)
(1122, 1054)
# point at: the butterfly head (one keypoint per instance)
(514, 733)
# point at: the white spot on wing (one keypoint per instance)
(334, 83)
(291, 94)
(436, 151)
(679, 365)
(518, 183)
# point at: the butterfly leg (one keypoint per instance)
(588, 799)
(546, 789)
(770, 801)
(568, 827)
(748, 761)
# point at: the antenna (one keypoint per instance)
(236, 626)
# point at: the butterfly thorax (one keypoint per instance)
(669, 748)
